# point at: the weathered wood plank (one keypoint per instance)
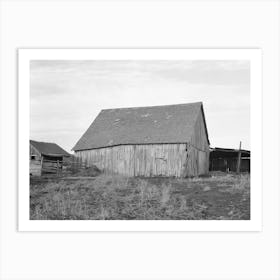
(141, 160)
(35, 168)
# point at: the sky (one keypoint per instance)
(66, 96)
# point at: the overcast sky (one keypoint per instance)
(66, 96)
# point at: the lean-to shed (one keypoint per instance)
(222, 159)
(45, 157)
(170, 140)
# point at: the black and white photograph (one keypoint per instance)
(139, 139)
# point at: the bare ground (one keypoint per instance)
(220, 196)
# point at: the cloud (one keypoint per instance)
(58, 77)
(213, 73)
(66, 96)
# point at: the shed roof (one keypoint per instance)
(50, 149)
(141, 125)
(227, 153)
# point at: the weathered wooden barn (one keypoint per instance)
(45, 157)
(169, 140)
(222, 159)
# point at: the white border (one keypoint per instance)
(253, 55)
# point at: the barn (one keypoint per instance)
(170, 140)
(225, 159)
(45, 157)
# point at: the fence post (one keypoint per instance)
(238, 159)
(57, 167)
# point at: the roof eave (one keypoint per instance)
(127, 144)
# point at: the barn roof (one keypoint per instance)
(51, 149)
(141, 125)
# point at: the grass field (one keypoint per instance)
(220, 196)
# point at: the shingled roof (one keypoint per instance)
(51, 149)
(141, 125)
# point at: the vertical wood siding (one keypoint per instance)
(34, 152)
(35, 167)
(199, 143)
(139, 160)
(199, 136)
(147, 160)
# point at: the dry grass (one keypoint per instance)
(118, 198)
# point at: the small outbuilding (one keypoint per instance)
(45, 157)
(222, 159)
(170, 140)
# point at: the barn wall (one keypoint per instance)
(160, 160)
(35, 167)
(147, 160)
(33, 151)
(199, 136)
(199, 146)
